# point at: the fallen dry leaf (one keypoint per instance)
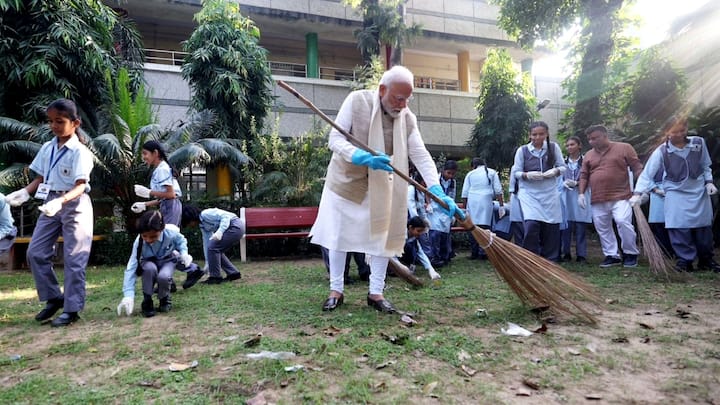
(230, 320)
(682, 313)
(430, 387)
(230, 338)
(522, 392)
(383, 365)
(469, 371)
(531, 384)
(396, 340)
(610, 301)
(149, 384)
(645, 325)
(182, 366)
(407, 320)
(620, 339)
(253, 341)
(574, 352)
(593, 397)
(645, 339)
(380, 386)
(332, 331)
(541, 329)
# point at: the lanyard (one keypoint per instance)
(53, 164)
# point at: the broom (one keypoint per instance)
(537, 281)
(660, 264)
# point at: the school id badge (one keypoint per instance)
(42, 191)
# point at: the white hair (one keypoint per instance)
(397, 74)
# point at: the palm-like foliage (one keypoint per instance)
(61, 48)
(228, 71)
(21, 141)
(383, 24)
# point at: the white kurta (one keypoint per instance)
(480, 188)
(343, 225)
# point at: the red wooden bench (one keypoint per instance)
(261, 223)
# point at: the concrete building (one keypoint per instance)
(311, 46)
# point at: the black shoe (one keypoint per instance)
(232, 277)
(482, 257)
(51, 307)
(192, 278)
(381, 305)
(581, 259)
(566, 258)
(147, 307)
(165, 304)
(610, 262)
(173, 287)
(65, 319)
(630, 261)
(213, 280)
(710, 265)
(332, 302)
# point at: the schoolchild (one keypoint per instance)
(63, 167)
(688, 184)
(162, 185)
(577, 218)
(8, 231)
(536, 167)
(155, 252)
(440, 222)
(413, 253)
(480, 187)
(221, 230)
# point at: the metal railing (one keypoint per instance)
(175, 58)
(165, 57)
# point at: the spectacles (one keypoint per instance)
(401, 99)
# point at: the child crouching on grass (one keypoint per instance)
(153, 258)
(221, 230)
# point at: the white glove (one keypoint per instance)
(127, 304)
(142, 191)
(17, 198)
(138, 207)
(429, 209)
(581, 201)
(535, 176)
(635, 200)
(711, 189)
(518, 175)
(659, 191)
(51, 207)
(186, 260)
(570, 184)
(217, 235)
(501, 212)
(433, 274)
(644, 198)
(549, 174)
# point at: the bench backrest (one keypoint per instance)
(280, 217)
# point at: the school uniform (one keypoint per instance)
(687, 208)
(7, 229)
(233, 229)
(440, 225)
(170, 208)
(480, 187)
(416, 207)
(577, 218)
(502, 227)
(61, 169)
(515, 216)
(540, 200)
(413, 253)
(157, 261)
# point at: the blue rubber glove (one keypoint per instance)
(452, 208)
(379, 162)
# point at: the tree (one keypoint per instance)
(62, 48)
(383, 24)
(531, 21)
(505, 110)
(228, 71)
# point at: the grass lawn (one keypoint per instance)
(654, 343)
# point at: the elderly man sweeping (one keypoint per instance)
(363, 206)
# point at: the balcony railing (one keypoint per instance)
(175, 58)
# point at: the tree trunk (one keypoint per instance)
(601, 24)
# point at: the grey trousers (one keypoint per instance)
(75, 223)
(216, 259)
(159, 272)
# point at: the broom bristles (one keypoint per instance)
(659, 262)
(534, 279)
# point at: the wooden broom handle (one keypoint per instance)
(359, 144)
